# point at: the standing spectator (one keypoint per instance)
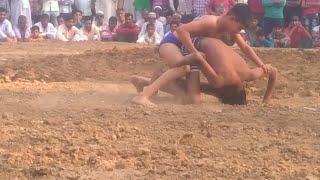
(299, 36)
(139, 6)
(108, 33)
(158, 11)
(84, 6)
(66, 6)
(35, 34)
(35, 10)
(219, 7)
(183, 7)
(51, 7)
(310, 10)
(77, 18)
(280, 38)
(164, 4)
(263, 41)
(128, 32)
(20, 7)
(99, 20)
(108, 7)
(89, 32)
(199, 8)
(21, 30)
(292, 8)
(151, 36)
(120, 16)
(5, 4)
(256, 9)
(273, 14)
(6, 30)
(127, 5)
(144, 19)
(67, 31)
(46, 29)
(153, 20)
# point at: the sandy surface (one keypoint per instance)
(65, 114)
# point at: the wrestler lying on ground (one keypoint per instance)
(225, 70)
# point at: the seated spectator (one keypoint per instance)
(129, 31)
(144, 19)
(35, 34)
(67, 31)
(151, 36)
(316, 37)
(153, 20)
(120, 16)
(299, 36)
(77, 19)
(176, 17)
(166, 27)
(251, 33)
(280, 38)
(47, 29)
(99, 20)
(60, 20)
(89, 32)
(310, 10)
(108, 33)
(262, 40)
(173, 27)
(219, 7)
(6, 30)
(21, 30)
(159, 17)
(273, 14)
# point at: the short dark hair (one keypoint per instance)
(128, 15)
(45, 16)
(113, 18)
(237, 97)
(260, 32)
(242, 13)
(68, 16)
(174, 23)
(87, 18)
(33, 28)
(77, 10)
(150, 25)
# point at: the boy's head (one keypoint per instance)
(278, 28)
(239, 17)
(35, 31)
(77, 16)
(87, 22)
(128, 17)
(260, 35)
(157, 10)
(3, 14)
(295, 20)
(174, 26)
(22, 22)
(60, 20)
(150, 29)
(112, 22)
(234, 95)
(44, 20)
(68, 21)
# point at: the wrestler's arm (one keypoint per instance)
(246, 49)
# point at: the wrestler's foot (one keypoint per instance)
(142, 100)
(139, 82)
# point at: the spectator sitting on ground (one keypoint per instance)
(299, 36)
(280, 38)
(144, 19)
(153, 20)
(262, 40)
(129, 31)
(77, 19)
(67, 31)
(166, 27)
(60, 20)
(316, 37)
(151, 36)
(251, 32)
(21, 30)
(159, 17)
(173, 27)
(47, 29)
(35, 34)
(6, 30)
(99, 20)
(176, 17)
(89, 32)
(120, 16)
(108, 33)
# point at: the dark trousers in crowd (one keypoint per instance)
(289, 12)
(270, 23)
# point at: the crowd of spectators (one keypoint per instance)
(277, 23)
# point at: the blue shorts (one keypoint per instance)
(171, 38)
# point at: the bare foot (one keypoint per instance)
(142, 100)
(139, 82)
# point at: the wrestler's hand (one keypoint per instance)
(265, 68)
(200, 57)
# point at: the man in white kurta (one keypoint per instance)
(108, 7)
(20, 7)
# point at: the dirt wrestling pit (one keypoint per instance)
(65, 114)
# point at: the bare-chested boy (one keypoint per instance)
(226, 72)
(238, 18)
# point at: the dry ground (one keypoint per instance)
(64, 114)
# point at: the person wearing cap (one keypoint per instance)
(108, 7)
(164, 4)
(99, 20)
(183, 7)
(158, 11)
(153, 20)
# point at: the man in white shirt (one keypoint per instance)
(20, 7)
(150, 37)
(6, 31)
(51, 7)
(158, 25)
(21, 30)
(108, 7)
(67, 31)
(46, 29)
(84, 6)
(89, 32)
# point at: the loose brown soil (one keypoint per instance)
(65, 114)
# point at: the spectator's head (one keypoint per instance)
(260, 35)
(35, 31)
(87, 20)
(152, 17)
(150, 29)
(128, 19)
(295, 21)
(68, 21)
(169, 17)
(174, 26)
(176, 17)
(112, 23)
(77, 16)
(145, 14)
(239, 17)
(278, 28)
(44, 20)
(3, 14)
(120, 14)
(158, 11)
(100, 17)
(60, 20)
(22, 22)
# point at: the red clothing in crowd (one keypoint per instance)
(310, 7)
(128, 30)
(219, 7)
(297, 36)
